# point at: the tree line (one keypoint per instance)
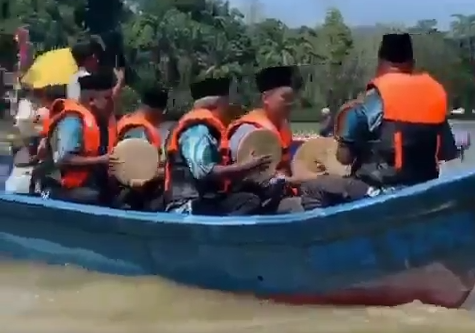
(175, 42)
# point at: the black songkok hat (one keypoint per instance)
(275, 77)
(155, 97)
(210, 87)
(396, 48)
(103, 80)
(53, 92)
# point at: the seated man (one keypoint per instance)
(395, 137)
(144, 124)
(79, 141)
(277, 94)
(198, 175)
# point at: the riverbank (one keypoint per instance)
(312, 127)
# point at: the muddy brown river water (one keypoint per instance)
(37, 298)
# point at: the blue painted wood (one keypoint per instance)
(6, 166)
(305, 253)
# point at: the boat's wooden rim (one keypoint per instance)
(437, 191)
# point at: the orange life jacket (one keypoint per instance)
(137, 119)
(406, 148)
(178, 179)
(76, 177)
(259, 119)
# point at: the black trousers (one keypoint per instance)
(129, 198)
(275, 197)
(232, 204)
(330, 190)
(80, 195)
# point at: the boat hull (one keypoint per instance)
(434, 284)
(393, 249)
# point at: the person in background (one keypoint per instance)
(198, 174)
(326, 123)
(33, 112)
(395, 136)
(85, 55)
(50, 98)
(80, 139)
(145, 124)
(26, 109)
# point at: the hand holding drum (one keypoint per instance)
(315, 157)
(256, 144)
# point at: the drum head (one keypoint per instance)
(259, 143)
(138, 160)
(317, 156)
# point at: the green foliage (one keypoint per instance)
(176, 41)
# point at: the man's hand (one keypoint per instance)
(42, 143)
(42, 148)
(137, 183)
(103, 159)
(257, 164)
(119, 74)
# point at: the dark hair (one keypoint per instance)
(82, 51)
(54, 92)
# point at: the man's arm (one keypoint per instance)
(120, 76)
(70, 143)
(200, 150)
(69, 138)
(356, 126)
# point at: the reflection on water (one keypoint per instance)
(36, 298)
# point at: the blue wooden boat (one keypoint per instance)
(416, 243)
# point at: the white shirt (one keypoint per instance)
(73, 90)
(28, 117)
(25, 111)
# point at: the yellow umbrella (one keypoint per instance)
(54, 67)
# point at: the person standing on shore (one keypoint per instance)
(326, 123)
(86, 58)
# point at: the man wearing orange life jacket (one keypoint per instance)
(276, 84)
(198, 173)
(395, 137)
(145, 123)
(80, 139)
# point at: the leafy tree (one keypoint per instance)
(175, 42)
